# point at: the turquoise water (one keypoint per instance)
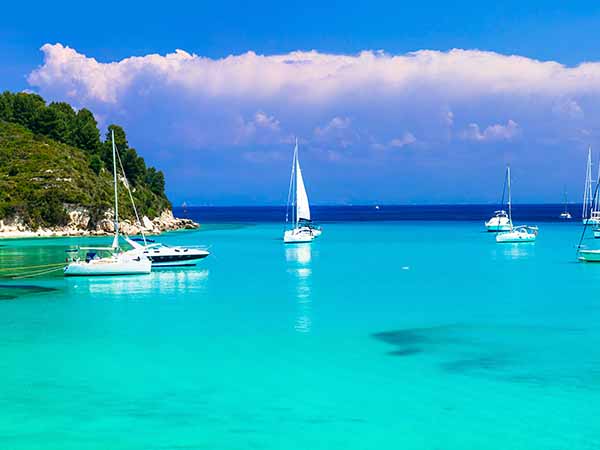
(412, 335)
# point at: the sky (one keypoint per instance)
(392, 102)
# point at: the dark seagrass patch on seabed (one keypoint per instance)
(11, 291)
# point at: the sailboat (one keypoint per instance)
(109, 260)
(302, 229)
(591, 209)
(566, 215)
(500, 220)
(521, 233)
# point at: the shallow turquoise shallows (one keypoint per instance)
(410, 335)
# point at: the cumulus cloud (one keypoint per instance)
(406, 139)
(344, 108)
(496, 132)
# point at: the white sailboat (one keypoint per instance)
(302, 229)
(521, 233)
(591, 208)
(566, 215)
(109, 260)
(500, 220)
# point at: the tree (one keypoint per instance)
(85, 134)
(96, 164)
(6, 106)
(48, 122)
(67, 117)
(25, 108)
(134, 166)
(155, 180)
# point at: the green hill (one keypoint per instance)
(43, 179)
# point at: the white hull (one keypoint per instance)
(589, 255)
(494, 228)
(164, 256)
(109, 266)
(515, 236)
(565, 216)
(298, 235)
(591, 221)
(500, 222)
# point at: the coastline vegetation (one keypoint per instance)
(52, 160)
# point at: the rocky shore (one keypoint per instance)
(79, 225)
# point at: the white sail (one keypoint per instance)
(587, 192)
(302, 207)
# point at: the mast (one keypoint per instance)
(290, 190)
(587, 191)
(509, 197)
(116, 239)
(295, 186)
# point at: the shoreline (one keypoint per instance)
(164, 223)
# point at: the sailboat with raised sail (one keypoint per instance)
(302, 228)
(109, 260)
(591, 209)
(521, 233)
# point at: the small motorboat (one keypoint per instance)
(163, 255)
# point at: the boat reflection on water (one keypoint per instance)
(158, 284)
(515, 251)
(299, 256)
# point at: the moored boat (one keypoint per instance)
(103, 261)
(162, 255)
(302, 229)
(521, 233)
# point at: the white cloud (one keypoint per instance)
(346, 104)
(496, 132)
(406, 139)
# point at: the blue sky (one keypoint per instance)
(222, 129)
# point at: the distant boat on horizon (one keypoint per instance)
(500, 221)
(565, 215)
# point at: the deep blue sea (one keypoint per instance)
(400, 328)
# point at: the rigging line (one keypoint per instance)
(503, 192)
(126, 183)
(585, 218)
(287, 206)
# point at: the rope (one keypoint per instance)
(5, 269)
(37, 274)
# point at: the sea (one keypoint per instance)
(401, 327)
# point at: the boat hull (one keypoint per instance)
(157, 263)
(589, 255)
(497, 228)
(108, 268)
(515, 237)
(298, 236)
